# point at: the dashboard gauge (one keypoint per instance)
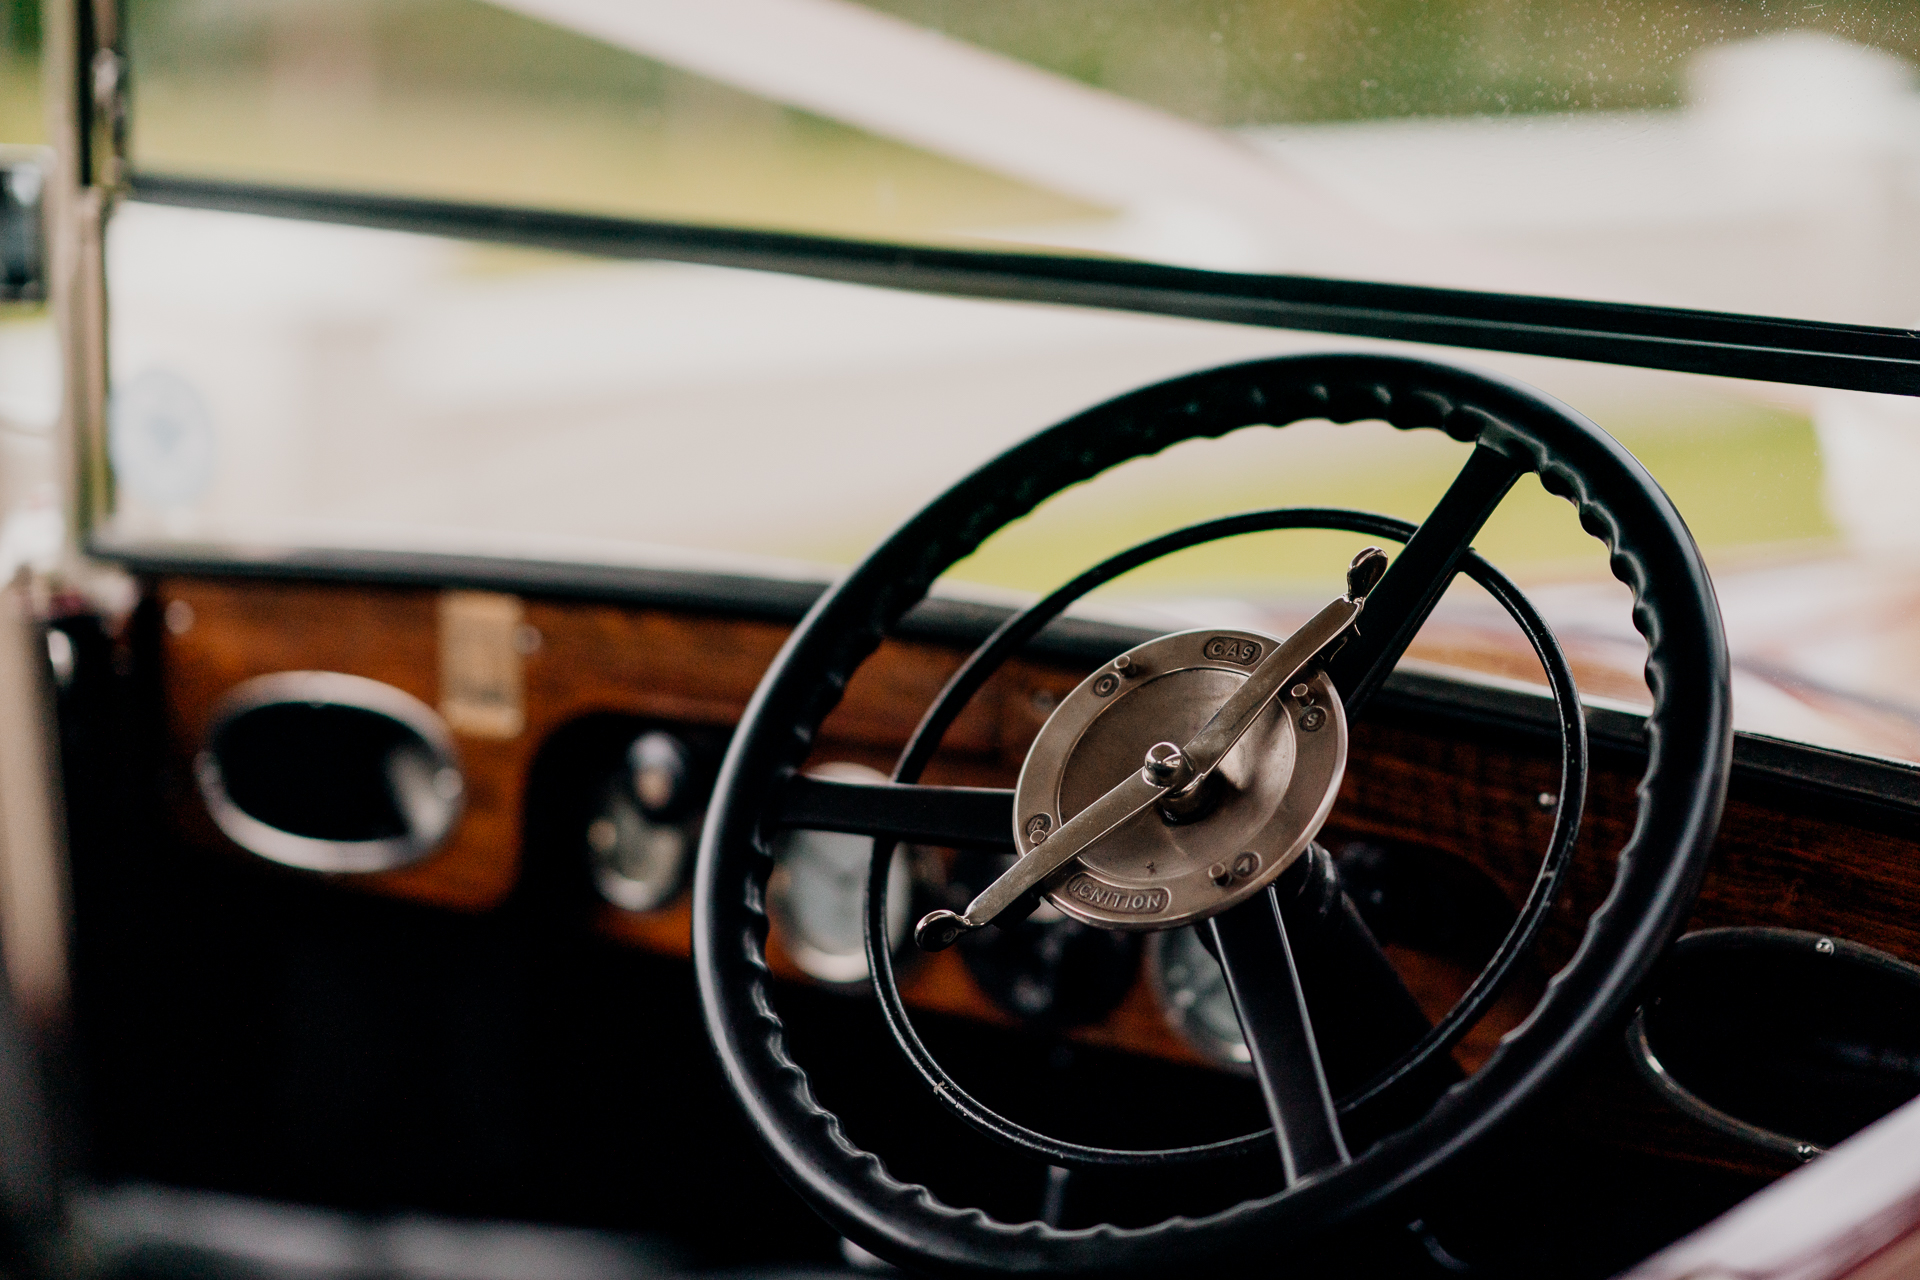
(662, 775)
(638, 863)
(1193, 995)
(818, 893)
(640, 832)
(1047, 969)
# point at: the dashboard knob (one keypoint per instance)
(645, 820)
(661, 769)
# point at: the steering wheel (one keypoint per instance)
(1251, 744)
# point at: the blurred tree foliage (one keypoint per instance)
(1244, 62)
(19, 28)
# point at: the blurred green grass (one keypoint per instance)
(1746, 475)
(460, 100)
(21, 117)
(1265, 62)
(765, 166)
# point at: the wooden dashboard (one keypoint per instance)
(1788, 855)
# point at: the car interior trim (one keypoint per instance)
(1861, 784)
(426, 822)
(1654, 1072)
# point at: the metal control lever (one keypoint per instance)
(1169, 769)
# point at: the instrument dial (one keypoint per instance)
(818, 893)
(640, 835)
(1047, 969)
(1194, 997)
(662, 770)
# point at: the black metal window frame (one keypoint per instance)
(1756, 348)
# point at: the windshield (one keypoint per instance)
(1680, 152)
(282, 384)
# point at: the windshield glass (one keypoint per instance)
(281, 384)
(1679, 152)
(278, 384)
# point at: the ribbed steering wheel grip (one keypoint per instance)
(1689, 748)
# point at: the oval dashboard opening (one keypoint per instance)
(1787, 1040)
(330, 772)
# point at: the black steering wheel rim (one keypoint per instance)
(1474, 1002)
(1658, 871)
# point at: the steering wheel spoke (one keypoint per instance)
(1419, 575)
(1251, 941)
(1365, 1017)
(958, 817)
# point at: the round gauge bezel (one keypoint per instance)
(1230, 1054)
(845, 970)
(626, 892)
(1150, 873)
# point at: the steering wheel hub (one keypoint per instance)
(1200, 852)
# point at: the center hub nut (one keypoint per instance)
(1166, 766)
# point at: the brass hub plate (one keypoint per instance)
(1274, 789)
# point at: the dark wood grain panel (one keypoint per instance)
(1784, 863)
(587, 658)
(1780, 859)
(594, 658)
